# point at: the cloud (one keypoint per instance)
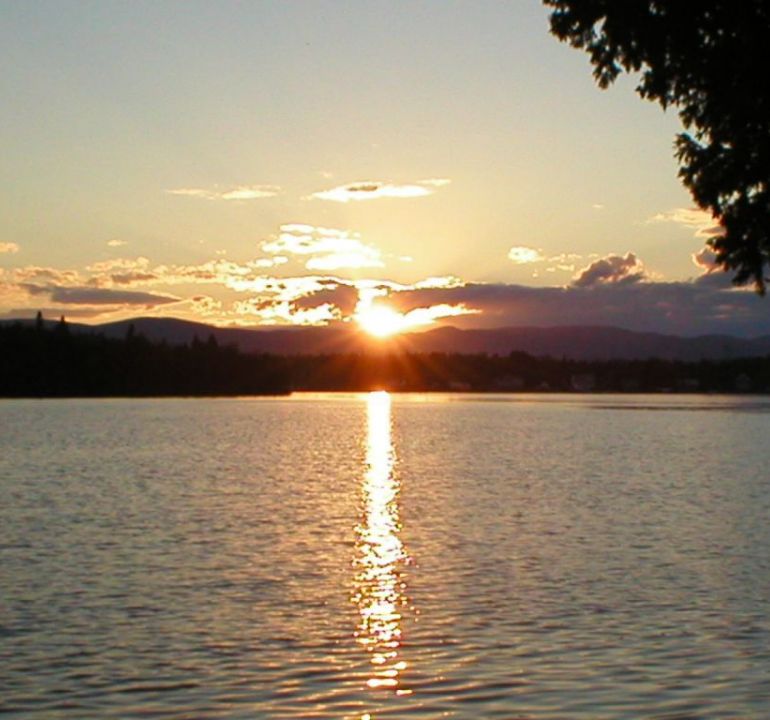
(241, 192)
(100, 296)
(123, 272)
(712, 274)
(8, 247)
(284, 289)
(373, 190)
(118, 264)
(285, 313)
(438, 281)
(522, 255)
(706, 260)
(566, 261)
(269, 262)
(330, 248)
(610, 269)
(680, 308)
(610, 293)
(700, 221)
(431, 313)
(343, 297)
(51, 276)
(116, 243)
(223, 272)
(134, 277)
(320, 299)
(205, 305)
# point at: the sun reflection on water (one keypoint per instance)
(379, 586)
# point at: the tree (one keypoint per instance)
(709, 59)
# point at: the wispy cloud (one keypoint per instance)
(116, 243)
(48, 275)
(241, 192)
(330, 248)
(8, 247)
(118, 264)
(376, 189)
(522, 255)
(700, 221)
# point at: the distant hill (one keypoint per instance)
(578, 343)
(591, 343)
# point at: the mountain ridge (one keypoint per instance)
(585, 342)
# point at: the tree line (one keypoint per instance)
(47, 360)
(521, 372)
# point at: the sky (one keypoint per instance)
(314, 162)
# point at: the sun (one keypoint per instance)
(381, 321)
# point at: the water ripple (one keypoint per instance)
(375, 557)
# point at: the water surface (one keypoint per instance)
(385, 556)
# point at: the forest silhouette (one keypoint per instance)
(47, 359)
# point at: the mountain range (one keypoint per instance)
(578, 343)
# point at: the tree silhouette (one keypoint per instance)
(46, 362)
(709, 59)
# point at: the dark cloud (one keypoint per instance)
(682, 308)
(344, 297)
(130, 278)
(99, 296)
(610, 269)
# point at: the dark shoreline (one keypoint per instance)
(348, 391)
(48, 361)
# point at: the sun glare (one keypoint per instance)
(381, 321)
(381, 557)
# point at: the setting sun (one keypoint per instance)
(381, 321)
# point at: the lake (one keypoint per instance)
(385, 556)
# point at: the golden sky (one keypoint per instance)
(304, 162)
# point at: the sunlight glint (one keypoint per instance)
(379, 588)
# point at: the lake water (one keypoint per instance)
(375, 556)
